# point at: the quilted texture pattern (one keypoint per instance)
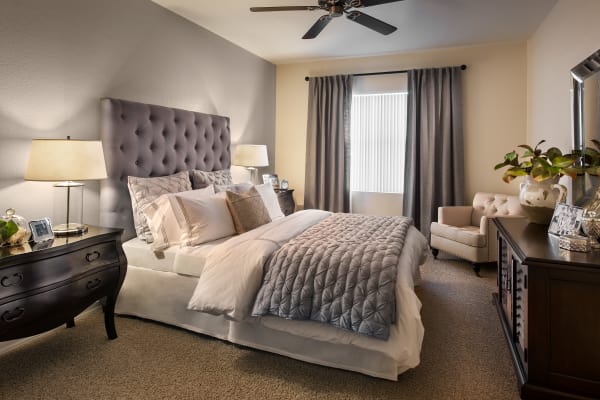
(143, 191)
(341, 271)
(247, 210)
(202, 179)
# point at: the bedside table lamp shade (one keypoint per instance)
(250, 156)
(65, 162)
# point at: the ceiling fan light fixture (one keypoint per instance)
(337, 8)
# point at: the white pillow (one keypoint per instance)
(188, 219)
(269, 197)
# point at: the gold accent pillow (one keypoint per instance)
(247, 210)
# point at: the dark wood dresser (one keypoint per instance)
(549, 304)
(286, 200)
(41, 289)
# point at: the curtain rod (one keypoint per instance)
(463, 67)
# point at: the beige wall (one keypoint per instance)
(494, 107)
(59, 57)
(569, 34)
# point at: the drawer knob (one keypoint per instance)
(93, 256)
(13, 280)
(10, 316)
(93, 284)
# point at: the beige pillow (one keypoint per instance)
(145, 190)
(202, 179)
(247, 210)
(188, 218)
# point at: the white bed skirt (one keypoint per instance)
(163, 297)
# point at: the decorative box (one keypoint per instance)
(575, 243)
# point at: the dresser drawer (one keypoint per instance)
(46, 310)
(44, 272)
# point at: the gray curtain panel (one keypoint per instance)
(434, 172)
(327, 183)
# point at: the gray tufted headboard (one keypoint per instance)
(147, 140)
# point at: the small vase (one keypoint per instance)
(538, 199)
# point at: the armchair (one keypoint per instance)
(468, 232)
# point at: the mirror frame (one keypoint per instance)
(580, 73)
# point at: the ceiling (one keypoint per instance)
(422, 24)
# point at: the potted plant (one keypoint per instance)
(540, 192)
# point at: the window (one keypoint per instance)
(378, 135)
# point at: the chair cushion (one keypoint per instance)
(468, 235)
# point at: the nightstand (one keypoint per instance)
(286, 200)
(41, 289)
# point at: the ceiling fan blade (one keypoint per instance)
(371, 23)
(317, 27)
(369, 3)
(284, 8)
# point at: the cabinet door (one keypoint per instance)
(505, 273)
(520, 337)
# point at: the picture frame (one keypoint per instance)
(566, 220)
(266, 178)
(274, 180)
(41, 230)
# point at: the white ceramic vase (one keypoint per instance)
(538, 199)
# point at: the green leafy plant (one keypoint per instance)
(540, 165)
(591, 158)
(7, 229)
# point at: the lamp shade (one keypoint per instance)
(65, 160)
(250, 155)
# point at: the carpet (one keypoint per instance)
(464, 356)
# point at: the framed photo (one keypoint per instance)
(566, 220)
(41, 230)
(266, 178)
(275, 180)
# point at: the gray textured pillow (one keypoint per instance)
(202, 179)
(145, 190)
(247, 210)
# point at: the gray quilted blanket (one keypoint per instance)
(341, 271)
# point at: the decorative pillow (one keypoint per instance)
(188, 219)
(236, 187)
(247, 210)
(202, 179)
(145, 190)
(270, 199)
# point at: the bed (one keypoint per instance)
(142, 140)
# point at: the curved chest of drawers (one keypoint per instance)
(42, 289)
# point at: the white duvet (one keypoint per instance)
(233, 271)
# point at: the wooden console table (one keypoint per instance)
(549, 304)
(41, 289)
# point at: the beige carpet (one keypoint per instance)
(464, 356)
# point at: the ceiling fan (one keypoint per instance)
(337, 8)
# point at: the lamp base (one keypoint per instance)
(70, 229)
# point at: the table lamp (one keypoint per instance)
(66, 161)
(251, 156)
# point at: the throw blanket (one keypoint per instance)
(233, 270)
(341, 271)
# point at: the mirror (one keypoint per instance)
(586, 112)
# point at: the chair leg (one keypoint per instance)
(434, 252)
(477, 268)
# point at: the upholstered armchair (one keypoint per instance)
(468, 232)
